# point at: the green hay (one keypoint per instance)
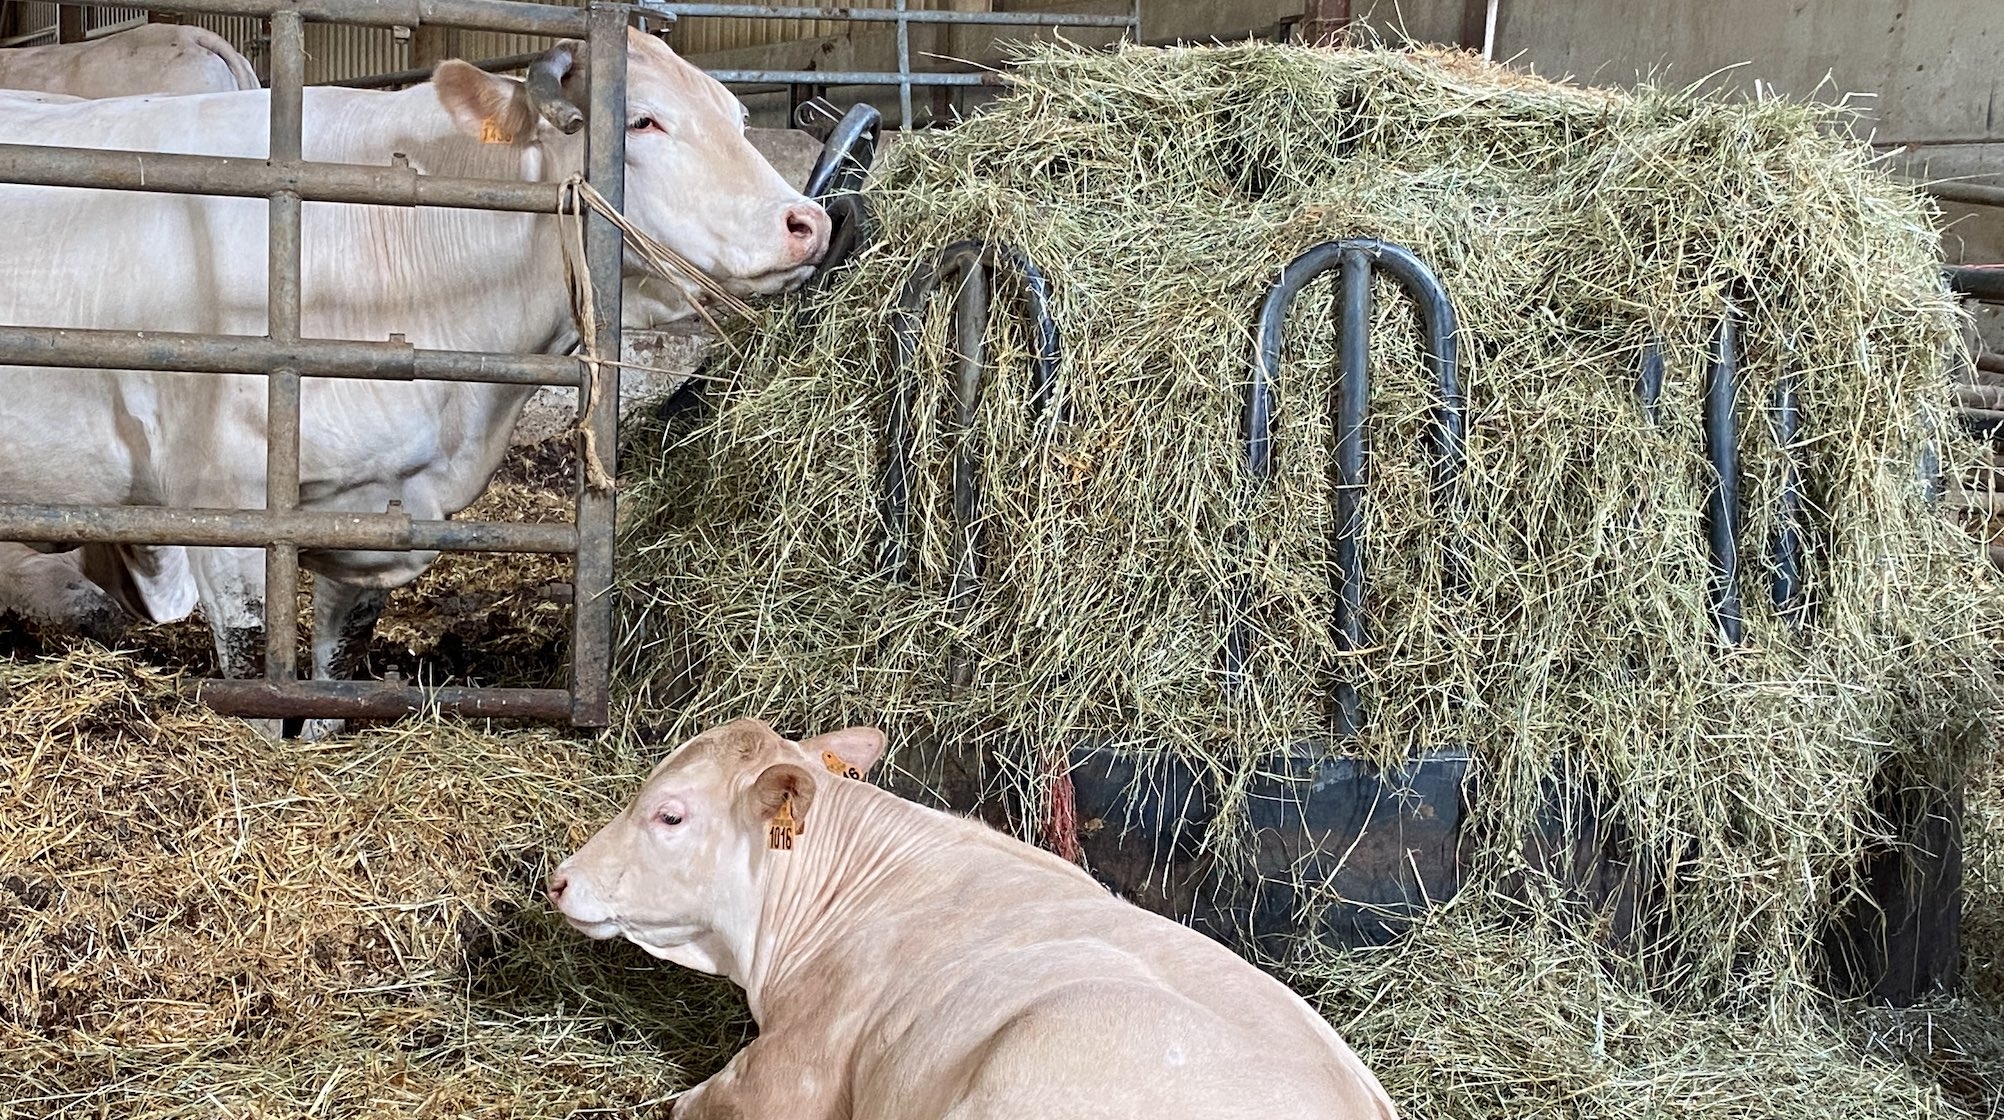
(202, 923)
(1161, 190)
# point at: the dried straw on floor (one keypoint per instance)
(202, 923)
(1161, 190)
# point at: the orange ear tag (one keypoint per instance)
(490, 133)
(833, 763)
(784, 827)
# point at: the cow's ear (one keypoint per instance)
(779, 799)
(858, 748)
(492, 109)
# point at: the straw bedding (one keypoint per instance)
(197, 922)
(202, 923)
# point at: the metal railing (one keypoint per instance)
(283, 357)
(904, 78)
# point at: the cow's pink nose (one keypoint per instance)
(559, 883)
(807, 232)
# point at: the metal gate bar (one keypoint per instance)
(238, 177)
(392, 531)
(168, 352)
(1357, 259)
(605, 167)
(285, 180)
(555, 21)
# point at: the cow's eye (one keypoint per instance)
(668, 818)
(642, 124)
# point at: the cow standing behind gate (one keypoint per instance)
(445, 279)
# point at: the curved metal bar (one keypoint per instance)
(849, 231)
(845, 156)
(973, 263)
(1047, 351)
(1357, 258)
(1722, 509)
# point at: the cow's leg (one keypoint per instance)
(760, 1081)
(344, 618)
(50, 589)
(231, 583)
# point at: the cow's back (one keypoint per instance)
(1006, 982)
(153, 59)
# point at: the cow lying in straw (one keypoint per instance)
(905, 963)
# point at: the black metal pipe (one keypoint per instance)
(605, 168)
(846, 155)
(378, 700)
(1353, 395)
(309, 529)
(1978, 281)
(1649, 382)
(239, 177)
(1788, 543)
(166, 352)
(1722, 448)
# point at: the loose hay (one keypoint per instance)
(199, 922)
(1161, 190)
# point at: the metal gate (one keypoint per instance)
(283, 358)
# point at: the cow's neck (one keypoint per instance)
(847, 868)
(491, 281)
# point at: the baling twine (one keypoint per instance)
(580, 196)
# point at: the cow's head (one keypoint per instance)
(679, 872)
(693, 181)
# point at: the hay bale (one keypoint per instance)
(1161, 190)
(200, 922)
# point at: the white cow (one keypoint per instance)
(155, 58)
(904, 964)
(442, 278)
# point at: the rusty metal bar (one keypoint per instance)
(891, 15)
(282, 314)
(605, 168)
(240, 177)
(856, 78)
(420, 74)
(167, 352)
(1967, 194)
(380, 700)
(309, 529)
(479, 15)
